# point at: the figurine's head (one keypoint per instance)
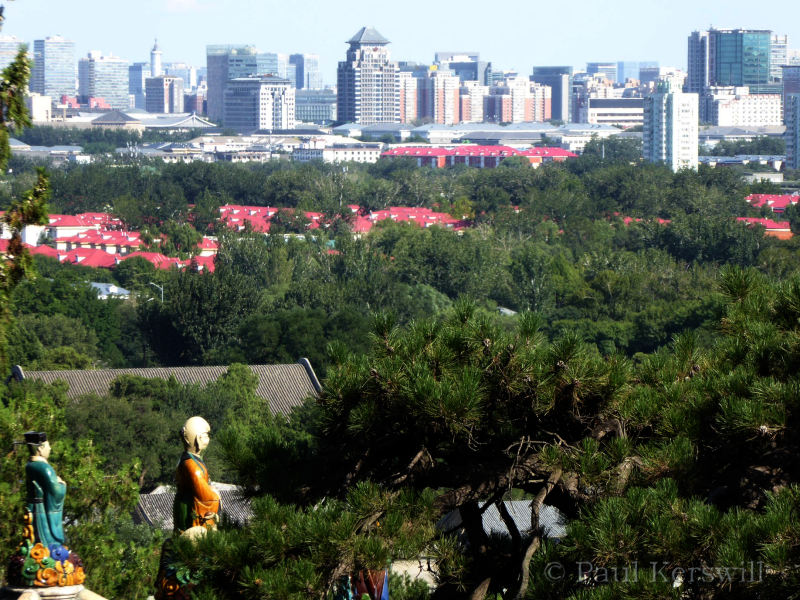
(195, 434)
(37, 444)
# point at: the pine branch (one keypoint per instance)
(536, 540)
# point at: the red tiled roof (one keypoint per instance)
(477, 151)
(89, 257)
(766, 223)
(207, 244)
(777, 202)
(158, 260)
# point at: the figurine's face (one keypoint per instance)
(202, 439)
(44, 450)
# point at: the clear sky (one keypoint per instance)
(512, 34)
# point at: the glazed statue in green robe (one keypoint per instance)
(46, 491)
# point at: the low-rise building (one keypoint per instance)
(336, 153)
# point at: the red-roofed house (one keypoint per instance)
(482, 157)
(89, 257)
(158, 260)
(208, 247)
(777, 229)
(777, 202)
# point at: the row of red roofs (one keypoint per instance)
(99, 240)
(477, 151)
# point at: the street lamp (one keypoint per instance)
(161, 289)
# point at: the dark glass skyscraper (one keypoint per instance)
(739, 57)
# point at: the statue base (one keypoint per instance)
(67, 592)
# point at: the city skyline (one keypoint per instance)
(537, 35)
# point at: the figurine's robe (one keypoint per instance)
(195, 499)
(45, 502)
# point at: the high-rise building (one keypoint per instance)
(790, 84)
(698, 78)
(307, 71)
(104, 77)
(737, 107)
(466, 65)
(259, 103)
(438, 97)
(155, 61)
(286, 68)
(560, 81)
(367, 81)
(226, 62)
(669, 133)
(472, 96)
(778, 56)
(407, 96)
(164, 94)
(518, 100)
(137, 74)
(9, 47)
(608, 69)
(315, 106)
(53, 72)
(627, 70)
(185, 71)
(792, 135)
(740, 57)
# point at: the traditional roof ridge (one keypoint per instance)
(283, 386)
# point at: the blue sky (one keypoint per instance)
(513, 34)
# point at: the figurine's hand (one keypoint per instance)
(210, 516)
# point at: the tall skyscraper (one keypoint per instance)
(53, 72)
(669, 133)
(560, 80)
(778, 56)
(790, 82)
(792, 134)
(286, 69)
(164, 94)
(698, 78)
(226, 62)
(627, 70)
(609, 69)
(466, 65)
(307, 71)
(9, 47)
(155, 61)
(104, 77)
(731, 57)
(367, 81)
(740, 57)
(137, 74)
(259, 103)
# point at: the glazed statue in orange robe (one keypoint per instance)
(197, 504)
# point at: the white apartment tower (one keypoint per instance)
(367, 81)
(670, 128)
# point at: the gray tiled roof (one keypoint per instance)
(155, 509)
(114, 117)
(552, 521)
(283, 386)
(367, 35)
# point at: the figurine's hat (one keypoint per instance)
(35, 438)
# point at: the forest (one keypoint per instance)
(605, 339)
